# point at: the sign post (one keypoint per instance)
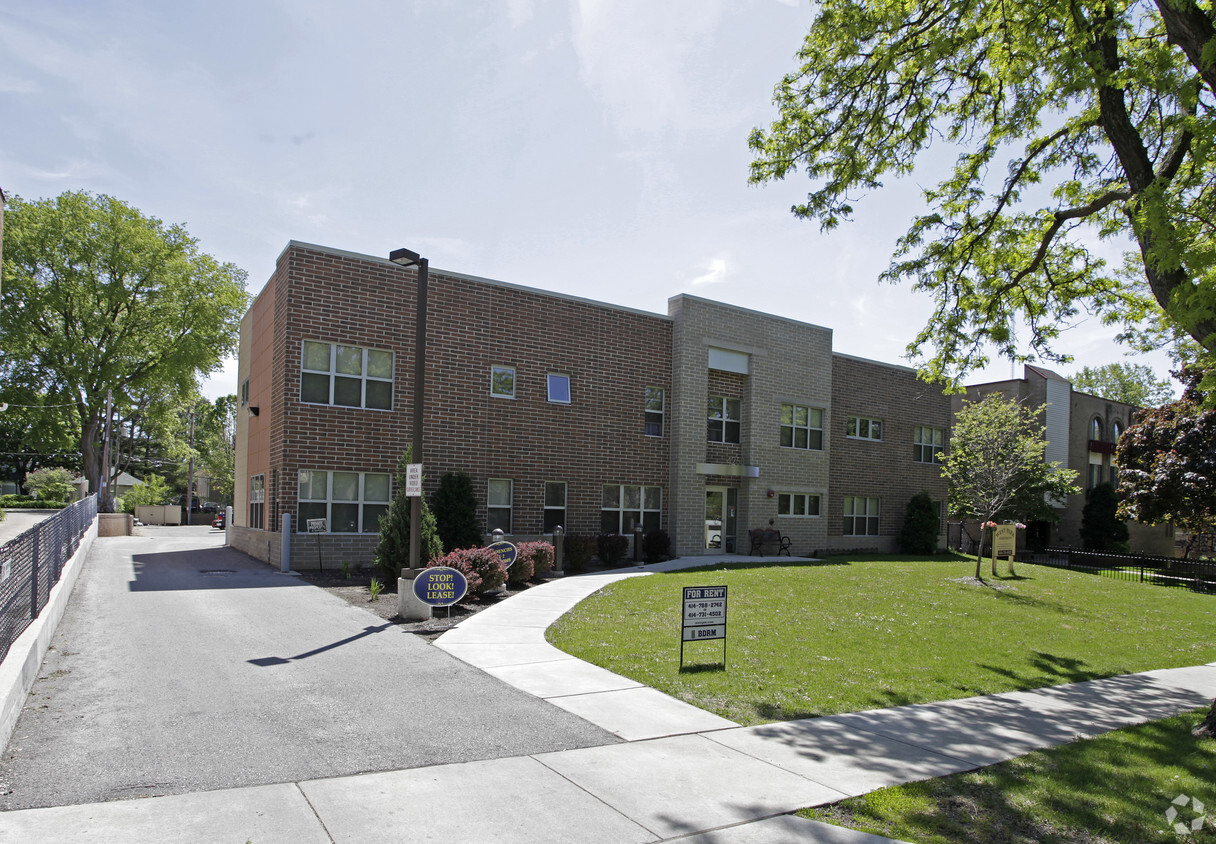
(1004, 544)
(318, 527)
(704, 617)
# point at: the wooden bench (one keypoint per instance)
(770, 538)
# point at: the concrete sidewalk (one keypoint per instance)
(682, 773)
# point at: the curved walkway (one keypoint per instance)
(681, 773)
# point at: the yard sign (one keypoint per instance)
(704, 616)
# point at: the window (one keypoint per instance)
(860, 516)
(348, 376)
(724, 415)
(555, 505)
(245, 392)
(502, 381)
(860, 428)
(559, 388)
(349, 502)
(1095, 429)
(927, 444)
(1116, 431)
(797, 504)
(257, 501)
(625, 506)
(1095, 475)
(656, 408)
(801, 427)
(498, 505)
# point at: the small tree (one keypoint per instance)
(152, 491)
(52, 483)
(393, 550)
(921, 526)
(455, 509)
(996, 468)
(1101, 527)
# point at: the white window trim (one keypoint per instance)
(661, 413)
(807, 496)
(549, 388)
(726, 419)
(509, 507)
(866, 516)
(494, 370)
(363, 377)
(855, 423)
(934, 449)
(621, 509)
(794, 428)
(546, 507)
(329, 501)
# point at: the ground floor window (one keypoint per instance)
(498, 505)
(860, 516)
(349, 502)
(555, 505)
(627, 505)
(797, 504)
(257, 502)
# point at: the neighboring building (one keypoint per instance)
(123, 484)
(1082, 433)
(705, 422)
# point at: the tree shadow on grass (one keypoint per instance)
(1059, 669)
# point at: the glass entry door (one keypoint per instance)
(721, 504)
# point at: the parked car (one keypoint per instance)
(210, 507)
(218, 521)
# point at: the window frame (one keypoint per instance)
(936, 445)
(725, 420)
(548, 521)
(368, 520)
(851, 516)
(646, 497)
(814, 433)
(257, 501)
(854, 426)
(789, 499)
(549, 385)
(333, 375)
(508, 508)
(495, 370)
(651, 416)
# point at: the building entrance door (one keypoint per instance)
(721, 504)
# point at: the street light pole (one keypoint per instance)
(408, 258)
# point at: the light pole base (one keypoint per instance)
(409, 607)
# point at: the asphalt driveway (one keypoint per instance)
(181, 665)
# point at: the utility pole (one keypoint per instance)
(103, 485)
(190, 480)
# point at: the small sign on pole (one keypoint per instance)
(704, 617)
(318, 526)
(413, 480)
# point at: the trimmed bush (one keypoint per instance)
(31, 504)
(919, 533)
(481, 566)
(539, 553)
(578, 551)
(393, 548)
(656, 546)
(455, 509)
(611, 548)
(521, 570)
(1101, 527)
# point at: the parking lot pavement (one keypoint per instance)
(182, 665)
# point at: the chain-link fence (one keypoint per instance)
(30, 565)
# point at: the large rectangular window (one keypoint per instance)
(656, 410)
(555, 505)
(927, 444)
(349, 502)
(499, 493)
(627, 505)
(724, 416)
(257, 502)
(349, 376)
(801, 427)
(797, 504)
(860, 428)
(860, 516)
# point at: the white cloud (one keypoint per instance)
(713, 271)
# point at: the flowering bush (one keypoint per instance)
(540, 553)
(520, 570)
(481, 566)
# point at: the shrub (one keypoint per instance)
(52, 482)
(578, 551)
(455, 509)
(393, 548)
(540, 553)
(1101, 527)
(521, 569)
(152, 491)
(611, 547)
(481, 566)
(656, 546)
(921, 526)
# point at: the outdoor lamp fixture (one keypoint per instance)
(410, 258)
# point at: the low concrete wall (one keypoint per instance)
(115, 524)
(20, 667)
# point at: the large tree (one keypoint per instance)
(1130, 383)
(98, 297)
(996, 466)
(1167, 465)
(1074, 120)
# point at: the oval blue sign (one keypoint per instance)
(440, 586)
(505, 551)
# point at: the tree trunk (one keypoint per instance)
(1207, 727)
(979, 554)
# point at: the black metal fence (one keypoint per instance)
(1198, 575)
(30, 565)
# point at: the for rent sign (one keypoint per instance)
(704, 617)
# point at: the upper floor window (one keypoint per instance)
(245, 392)
(801, 427)
(656, 409)
(349, 376)
(1116, 431)
(724, 417)
(502, 381)
(927, 444)
(860, 428)
(559, 388)
(349, 502)
(1095, 429)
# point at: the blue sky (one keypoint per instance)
(592, 147)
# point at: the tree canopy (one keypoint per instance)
(1130, 383)
(98, 297)
(995, 465)
(1074, 120)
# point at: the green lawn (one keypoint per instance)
(809, 639)
(1113, 788)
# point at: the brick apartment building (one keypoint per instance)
(706, 422)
